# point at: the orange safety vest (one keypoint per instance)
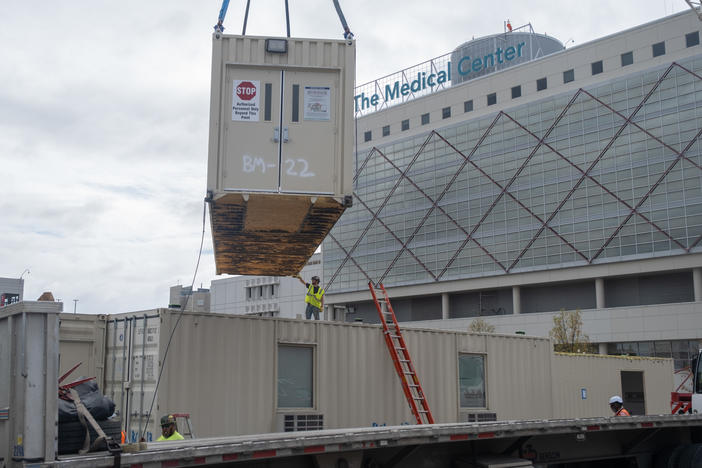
(622, 412)
(124, 437)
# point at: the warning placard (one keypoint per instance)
(245, 100)
(317, 99)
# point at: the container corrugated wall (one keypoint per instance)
(132, 365)
(223, 370)
(82, 340)
(28, 375)
(600, 376)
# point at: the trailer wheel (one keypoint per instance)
(691, 456)
(72, 434)
(669, 458)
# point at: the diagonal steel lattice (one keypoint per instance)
(634, 209)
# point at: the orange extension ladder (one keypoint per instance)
(401, 358)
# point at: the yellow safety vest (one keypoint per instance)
(314, 299)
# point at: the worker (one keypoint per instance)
(168, 429)
(617, 406)
(314, 297)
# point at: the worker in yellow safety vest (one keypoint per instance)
(314, 297)
(168, 429)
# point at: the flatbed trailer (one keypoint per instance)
(637, 441)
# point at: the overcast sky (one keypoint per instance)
(104, 109)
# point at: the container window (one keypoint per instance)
(596, 67)
(471, 380)
(541, 84)
(405, 125)
(658, 49)
(568, 76)
(296, 103)
(692, 39)
(445, 112)
(267, 98)
(367, 135)
(491, 99)
(516, 92)
(295, 376)
(627, 59)
(425, 119)
(386, 130)
(468, 106)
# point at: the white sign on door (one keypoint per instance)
(317, 103)
(245, 100)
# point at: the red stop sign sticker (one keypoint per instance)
(246, 91)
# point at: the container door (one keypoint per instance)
(633, 392)
(309, 118)
(251, 156)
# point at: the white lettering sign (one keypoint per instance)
(245, 100)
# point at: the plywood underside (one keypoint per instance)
(271, 235)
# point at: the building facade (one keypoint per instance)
(11, 291)
(185, 298)
(265, 296)
(571, 181)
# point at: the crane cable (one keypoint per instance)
(180, 315)
(219, 27)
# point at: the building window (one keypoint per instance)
(541, 84)
(516, 92)
(272, 290)
(367, 136)
(468, 106)
(471, 380)
(386, 130)
(445, 112)
(295, 376)
(491, 99)
(405, 125)
(425, 119)
(658, 49)
(627, 59)
(692, 39)
(596, 67)
(568, 76)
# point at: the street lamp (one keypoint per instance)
(75, 304)
(26, 270)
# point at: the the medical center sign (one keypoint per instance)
(466, 66)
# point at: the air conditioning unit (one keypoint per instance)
(479, 416)
(295, 422)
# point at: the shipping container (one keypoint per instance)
(280, 170)
(239, 375)
(82, 342)
(28, 381)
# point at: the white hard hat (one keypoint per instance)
(616, 399)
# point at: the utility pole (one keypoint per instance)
(75, 304)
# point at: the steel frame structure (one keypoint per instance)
(504, 190)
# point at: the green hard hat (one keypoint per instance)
(167, 420)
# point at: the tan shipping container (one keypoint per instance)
(82, 341)
(226, 372)
(280, 170)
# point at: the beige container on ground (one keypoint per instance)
(280, 170)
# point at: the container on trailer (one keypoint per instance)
(280, 170)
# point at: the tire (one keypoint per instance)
(691, 457)
(670, 457)
(71, 435)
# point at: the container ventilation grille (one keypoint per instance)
(303, 422)
(480, 417)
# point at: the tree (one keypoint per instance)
(481, 326)
(567, 333)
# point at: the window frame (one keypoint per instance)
(597, 67)
(425, 119)
(629, 58)
(569, 74)
(405, 125)
(468, 106)
(658, 53)
(492, 96)
(483, 357)
(691, 35)
(367, 136)
(446, 112)
(386, 130)
(313, 384)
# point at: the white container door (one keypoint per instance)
(252, 131)
(311, 130)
